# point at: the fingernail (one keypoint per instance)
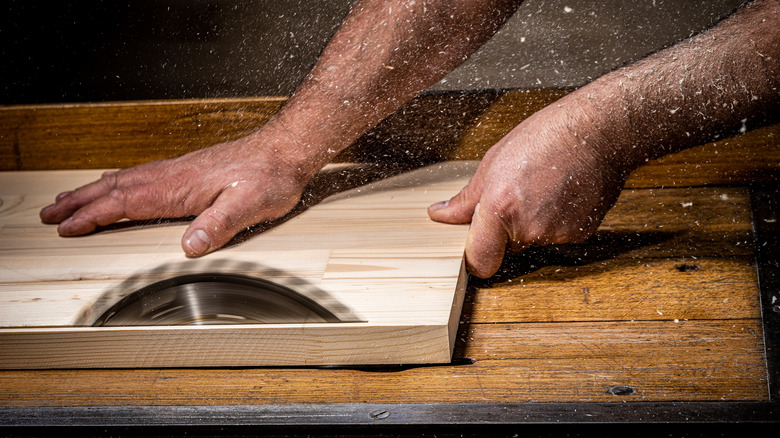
(198, 242)
(62, 195)
(62, 228)
(440, 205)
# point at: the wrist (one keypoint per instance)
(294, 150)
(603, 124)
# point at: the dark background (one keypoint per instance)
(85, 51)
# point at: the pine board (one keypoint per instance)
(371, 249)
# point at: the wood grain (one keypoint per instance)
(623, 289)
(659, 360)
(122, 134)
(371, 252)
(682, 222)
(663, 299)
(433, 127)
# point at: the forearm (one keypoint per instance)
(384, 54)
(722, 81)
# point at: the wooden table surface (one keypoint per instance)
(660, 308)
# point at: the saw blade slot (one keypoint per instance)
(214, 298)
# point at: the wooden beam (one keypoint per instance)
(452, 126)
(122, 134)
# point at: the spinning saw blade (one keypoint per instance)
(209, 298)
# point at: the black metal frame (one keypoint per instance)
(765, 204)
(579, 419)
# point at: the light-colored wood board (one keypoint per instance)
(371, 249)
(619, 290)
(547, 362)
(227, 346)
(671, 222)
(452, 126)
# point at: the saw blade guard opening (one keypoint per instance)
(214, 299)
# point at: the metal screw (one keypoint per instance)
(380, 414)
(621, 390)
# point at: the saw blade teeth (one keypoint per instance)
(209, 298)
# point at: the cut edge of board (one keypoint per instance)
(457, 305)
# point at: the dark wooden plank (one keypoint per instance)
(619, 290)
(742, 159)
(89, 136)
(753, 156)
(666, 254)
(680, 222)
(544, 419)
(432, 127)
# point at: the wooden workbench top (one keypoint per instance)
(663, 300)
(661, 305)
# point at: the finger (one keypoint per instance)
(460, 208)
(228, 215)
(67, 203)
(62, 195)
(101, 211)
(136, 203)
(485, 243)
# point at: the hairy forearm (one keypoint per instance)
(384, 54)
(717, 83)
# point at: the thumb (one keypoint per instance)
(485, 243)
(217, 224)
(460, 208)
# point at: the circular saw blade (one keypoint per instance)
(210, 298)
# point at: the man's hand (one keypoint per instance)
(553, 178)
(229, 187)
(384, 54)
(541, 184)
